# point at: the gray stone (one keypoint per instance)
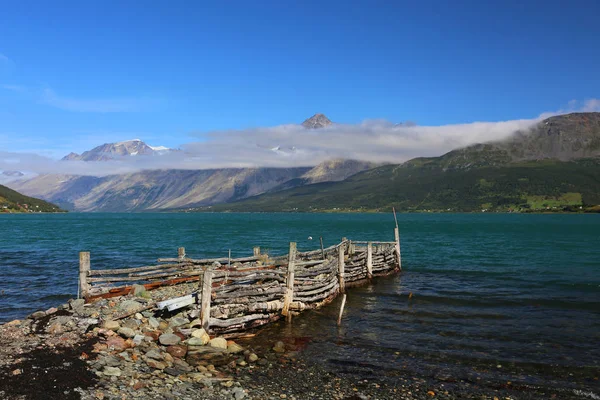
(234, 348)
(169, 339)
(155, 354)
(252, 357)
(194, 341)
(218, 342)
(279, 347)
(126, 332)
(111, 325)
(131, 323)
(111, 371)
(178, 321)
(111, 361)
(37, 315)
(153, 322)
(138, 339)
(77, 304)
(238, 393)
(129, 306)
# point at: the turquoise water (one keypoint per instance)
(520, 291)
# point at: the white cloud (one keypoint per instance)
(98, 105)
(293, 145)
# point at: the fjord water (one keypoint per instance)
(498, 297)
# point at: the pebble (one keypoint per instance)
(111, 325)
(218, 342)
(126, 332)
(168, 339)
(111, 371)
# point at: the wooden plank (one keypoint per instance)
(178, 302)
(289, 295)
(206, 298)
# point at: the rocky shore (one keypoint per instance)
(123, 348)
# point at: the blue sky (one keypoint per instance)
(77, 74)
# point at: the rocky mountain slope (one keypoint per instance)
(554, 165)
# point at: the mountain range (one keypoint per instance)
(112, 151)
(175, 189)
(553, 164)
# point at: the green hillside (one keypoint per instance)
(425, 185)
(12, 201)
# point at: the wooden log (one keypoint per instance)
(371, 241)
(124, 290)
(339, 320)
(323, 288)
(181, 253)
(206, 298)
(289, 295)
(209, 260)
(121, 271)
(256, 251)
(224, 323)
(320, 296)
(369, 260)
(84, 271)
(251, 292)
(341, 267)
(133, 278)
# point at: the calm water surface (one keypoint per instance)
(494, 297)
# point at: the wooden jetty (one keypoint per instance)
(238, 294)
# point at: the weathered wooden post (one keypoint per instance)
(369, 260)
(289, 293)
(397, 237)
(181, 253)
(341, 249)
(256, 250)
(206, 297)
(322, 248)
(351, 248)
(84, 271)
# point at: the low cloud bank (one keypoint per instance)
(293, 145)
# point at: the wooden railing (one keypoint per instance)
(242, 293)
